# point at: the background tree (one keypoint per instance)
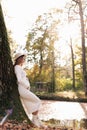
(73, 64)
(12, 44)
(77, 9)
(41, 40)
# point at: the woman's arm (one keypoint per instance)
(22, 80)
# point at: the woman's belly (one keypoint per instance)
(28, 95)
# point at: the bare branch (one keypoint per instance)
(73, 8)
(76, 1)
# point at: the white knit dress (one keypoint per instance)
(30, 101)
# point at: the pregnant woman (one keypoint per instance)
(31, 103)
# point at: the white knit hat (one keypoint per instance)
(19, 55)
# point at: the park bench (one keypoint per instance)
(42, 86)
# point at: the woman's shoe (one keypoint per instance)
(44, 127)
(36, 121)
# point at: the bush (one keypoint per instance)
(63, 84)
(66, 84)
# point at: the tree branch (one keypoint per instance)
(76, 1)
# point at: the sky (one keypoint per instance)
(20, 14)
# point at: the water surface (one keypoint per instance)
(72, 114)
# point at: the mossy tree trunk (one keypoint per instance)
(9, 97)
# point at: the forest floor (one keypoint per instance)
(78, 96)
(14, 125)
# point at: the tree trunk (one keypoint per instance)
(6, 67)
(53, 73)
(73, 65)
(83, 46)
(9, 97)
(79, 2)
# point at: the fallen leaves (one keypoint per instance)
(14, 125)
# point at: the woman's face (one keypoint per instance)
(21, 60)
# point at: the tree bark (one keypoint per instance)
(6, 67)
(9, 97)
(73, 65)
(83, 46)
(79, 2)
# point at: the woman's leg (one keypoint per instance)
(35, 113)
(36, 120)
